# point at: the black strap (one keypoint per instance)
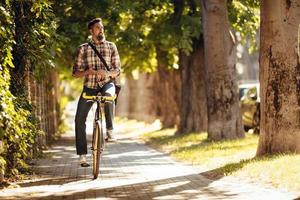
(99, 55)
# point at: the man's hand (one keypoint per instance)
(101, 74)
(90, 72)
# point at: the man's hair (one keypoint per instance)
(94, 21)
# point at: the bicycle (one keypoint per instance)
(98, 140)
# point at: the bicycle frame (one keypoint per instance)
(98, 135)
(98, 120)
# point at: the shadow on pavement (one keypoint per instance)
(129, 171)
(181, 187)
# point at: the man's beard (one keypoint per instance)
(100, 37)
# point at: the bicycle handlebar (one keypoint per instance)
(99, 97)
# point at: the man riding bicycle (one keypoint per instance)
(97, 78)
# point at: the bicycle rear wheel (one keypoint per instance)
(97, 148)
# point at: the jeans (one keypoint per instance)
(83, 109)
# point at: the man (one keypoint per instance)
(96, 79)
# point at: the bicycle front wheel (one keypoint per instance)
(97, 148)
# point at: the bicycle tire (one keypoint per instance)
(97, 147)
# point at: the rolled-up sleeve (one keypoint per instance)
(115, 59)
(79, 61)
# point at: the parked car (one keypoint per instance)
(245, 86)
(250, 108)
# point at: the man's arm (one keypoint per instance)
(115, 63)
(80, 74)
(100, 73)
(79, 68)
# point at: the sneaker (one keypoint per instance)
(82, 161)
(110, 137)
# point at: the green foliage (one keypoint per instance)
(140, 27)
(18, 126)
(137, 28)
(40, 48)
(156, 27)
(244, 18)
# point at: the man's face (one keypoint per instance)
(97, 31)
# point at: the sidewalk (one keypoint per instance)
(129, 170)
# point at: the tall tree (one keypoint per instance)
(167, 92)
(279, 77)
(224, 119)
(193, 107)
(193, 110)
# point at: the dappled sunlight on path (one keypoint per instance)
(129, 170)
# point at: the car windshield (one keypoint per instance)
(253, 93)
(245, 87)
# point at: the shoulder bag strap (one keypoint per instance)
(99, 55)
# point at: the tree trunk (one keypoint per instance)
(122, 108)
(52, 109)
(41, 107)
(167, 91)
(224, 118)
(279, 77)
(193, 110)
(144, 97)
(136, 98)
(21, 63)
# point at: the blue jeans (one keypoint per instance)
(83, 109)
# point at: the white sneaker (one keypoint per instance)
(82, 161)
(110, 137)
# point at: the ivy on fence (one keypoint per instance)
(19, 128)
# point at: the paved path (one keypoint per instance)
(129, 170)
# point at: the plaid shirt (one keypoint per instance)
(86, 59)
